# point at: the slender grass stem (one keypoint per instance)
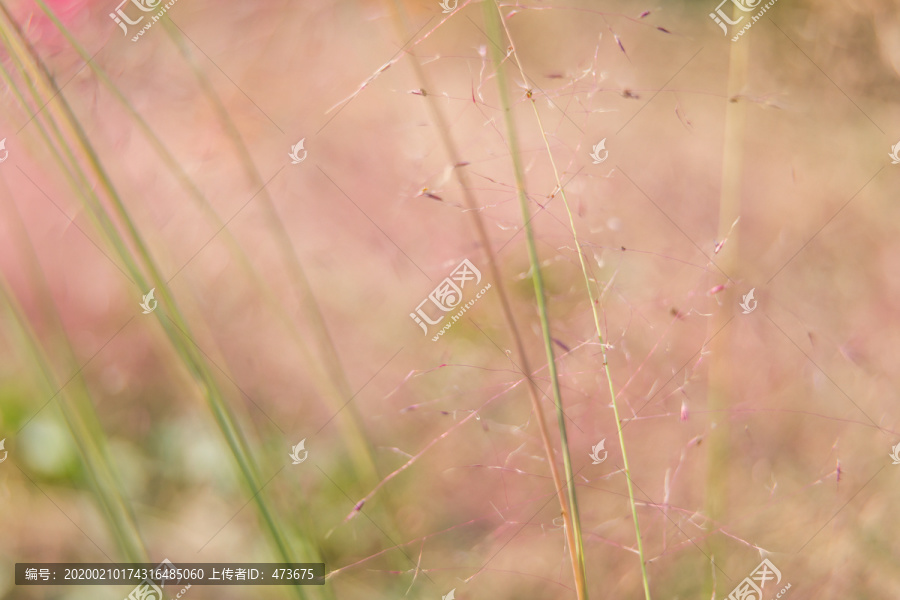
(718, 448)
(594, 301)
(348, 420)
(173, 323)
(332, 379)
(75, 404)
(534, 390)
(493, 22)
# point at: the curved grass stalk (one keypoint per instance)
(594, 302)
(348, 419)
(81, 418)
(568, 512)
(177, 330)
(92, 448)
(335, 380)
(75, 405)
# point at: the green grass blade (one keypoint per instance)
(492, 22)
(73, 398)
(175, 325)
(459, 172)
(332, 378)
(594, 301)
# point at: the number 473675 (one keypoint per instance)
(292, 574)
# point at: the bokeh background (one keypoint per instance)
(284, 293)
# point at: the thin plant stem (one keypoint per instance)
(347, 419)
(594, 302)
(75, 403)
(718, 448)
(334, 380)
(173, 323)
(493, 24)
(443, 129)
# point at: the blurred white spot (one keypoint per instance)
(46, 447)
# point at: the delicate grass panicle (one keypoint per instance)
(594, 302)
